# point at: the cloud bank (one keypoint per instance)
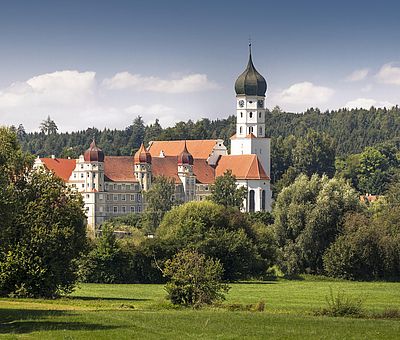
(186, 84)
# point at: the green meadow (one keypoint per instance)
(97, 311)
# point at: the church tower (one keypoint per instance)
(250, 88)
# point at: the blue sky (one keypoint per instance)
(101, 63)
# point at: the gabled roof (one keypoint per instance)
(242, 166)
(119, 169)
(197, 148)
(60, 166)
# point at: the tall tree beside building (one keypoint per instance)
(42, 229)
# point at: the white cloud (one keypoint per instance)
(62, 88)
(305, 93)
(357, 75)
(389, 74)
(165, 114)
(189, 83)
(366, 103)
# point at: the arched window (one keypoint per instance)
(241, 114)
(252, 203)
(250, 129)
(240, 129)
(263, 200)
(251, 114)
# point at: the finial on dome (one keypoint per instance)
(142, 155)
(185, 157)
(94, 153)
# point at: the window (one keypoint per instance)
(206, 188)
(259, 115)
(94, 175)
(108, 197)
(82, 175)
(250, 129)
(139, 208)
(250, 102)
(123, 187)
(123, 197)
(83, 185)
(260, 129)
(88, 174)
(115, 187)
(87, 196)
(94, 185)
(251, 114)
(115, 197)
(139, 198)
(132, 208)
(119, 187)
(123, 209)
(263, 200)
(81, 166)
(240, 130)
(115, 209)
(106, 186)
(133, 198)
(241, 114)
(101, 209)
(74, 175)
(252, 201)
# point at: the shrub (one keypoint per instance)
(194, 279)
(341, 305)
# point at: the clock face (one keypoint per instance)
(260, 103)
(241, 103)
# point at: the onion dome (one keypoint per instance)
(142, 155)
(250, 82)
(94, 153)
(185, 157)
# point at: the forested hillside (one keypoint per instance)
(352, 131)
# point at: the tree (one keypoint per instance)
(194, 279)
(215, 231)
(159, 199)
(48, 126)
(21, 134)
(308, 216)
(137, 133)
(315, 154)
(153, 132)
(225, 191)
(42, 229)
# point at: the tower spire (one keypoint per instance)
(250, 45)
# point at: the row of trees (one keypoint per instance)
(353, 130)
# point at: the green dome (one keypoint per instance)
(250, 82)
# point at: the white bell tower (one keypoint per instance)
(250, 138)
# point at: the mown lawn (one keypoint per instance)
(96, 311)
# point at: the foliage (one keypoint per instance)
(368, 248)
(119, 261)
(373, 170)
(217, 232)
(308, 216)
(159, 199)
(48, 126)
(311, 154)
(225, 191)
(194, 280)
(42, 230)
(341, 305)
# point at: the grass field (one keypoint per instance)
(96, 311)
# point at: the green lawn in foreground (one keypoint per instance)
(139, 311)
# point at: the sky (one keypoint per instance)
(102, 63)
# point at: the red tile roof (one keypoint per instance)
(119, 169)
(242, 166)
(197, 148)
(60, 166)
(168, 166)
